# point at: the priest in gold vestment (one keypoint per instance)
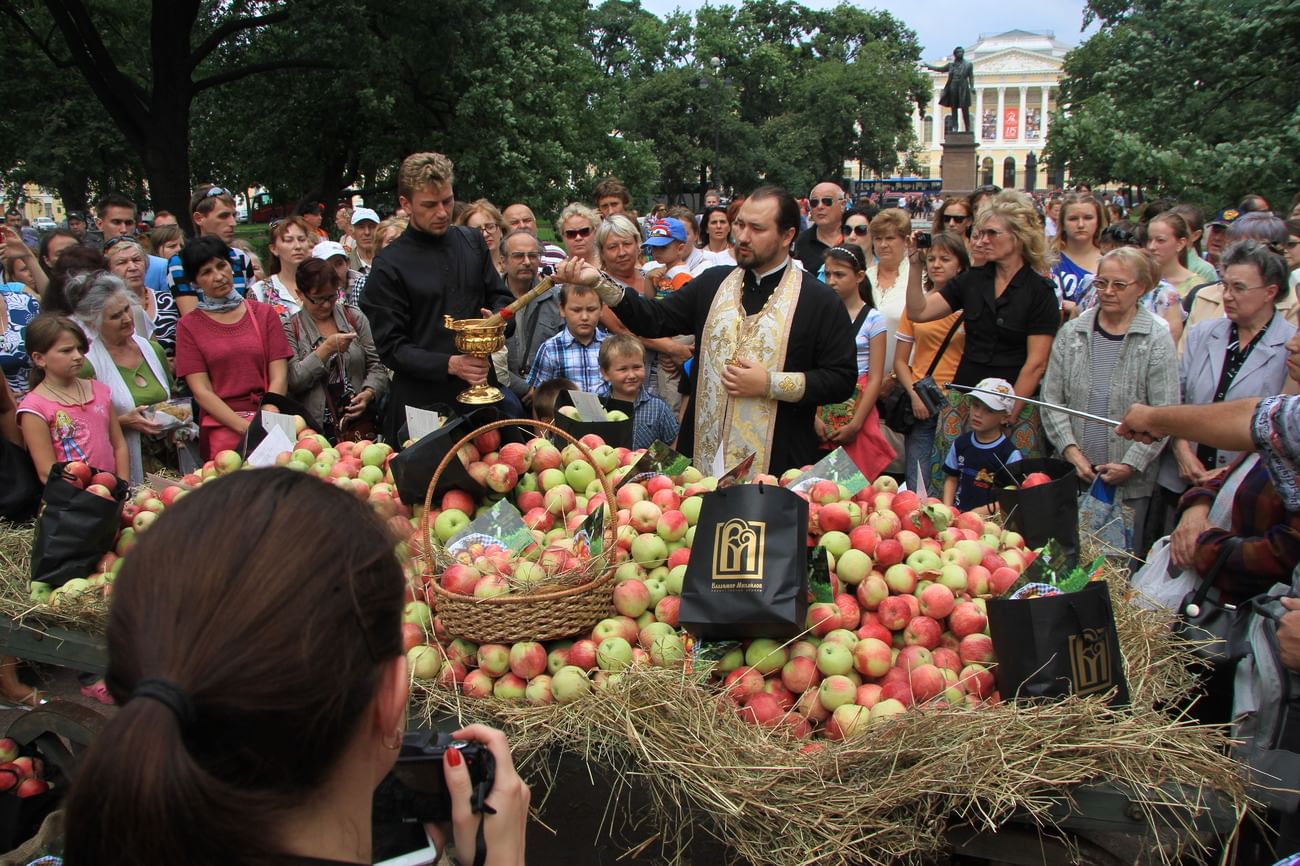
(774, 343)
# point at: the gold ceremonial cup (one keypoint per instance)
(480, 338)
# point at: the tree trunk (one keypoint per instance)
(167, 137)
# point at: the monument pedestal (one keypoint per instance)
(957, 164)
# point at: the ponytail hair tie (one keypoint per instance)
(171, 696)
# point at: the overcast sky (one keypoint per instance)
(943, 24)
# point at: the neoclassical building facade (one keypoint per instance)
(1016, 78)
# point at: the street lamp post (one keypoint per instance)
(716, 63)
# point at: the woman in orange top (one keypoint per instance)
(916, 349)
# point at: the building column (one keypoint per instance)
(1042, 124)
(1020, 127)
(977, 120)
(1002, 106)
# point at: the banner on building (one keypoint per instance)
(1010, 124)
(1033, 124)
(989, 125)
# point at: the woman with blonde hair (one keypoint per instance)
(484, 216)
(1010, 315)
(1168, 239)
(1078, 246)
(577, 230)
(890, 230)
(292, 239)
(388, 231)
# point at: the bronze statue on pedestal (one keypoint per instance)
(957, 92)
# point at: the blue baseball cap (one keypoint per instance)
(665, 231)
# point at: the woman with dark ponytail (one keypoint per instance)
(855, 425)
(263, 691)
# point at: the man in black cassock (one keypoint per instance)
(774, 343)
(432, 269)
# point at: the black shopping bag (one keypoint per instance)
(20, 488)
(75, 529)
(1053, 646)
(748, 571)
(616, 434)
(1046, 512)
(256, 431)
(413, 468)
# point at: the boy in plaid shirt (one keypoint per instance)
(622, 363)
(574, 353)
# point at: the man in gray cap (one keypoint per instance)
(364, 222)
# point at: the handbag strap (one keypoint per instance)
(251, 315)
(1193, 608)
(943, 347)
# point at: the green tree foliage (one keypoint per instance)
(1196, 98)
(532, 100)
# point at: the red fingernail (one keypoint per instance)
(453, 757)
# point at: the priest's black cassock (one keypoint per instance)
(414, 281)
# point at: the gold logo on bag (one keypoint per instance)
(738, 552)
(1090, 661)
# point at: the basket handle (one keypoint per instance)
(611, 524)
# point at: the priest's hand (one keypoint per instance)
(471, 368)
(744, 378)
(579, 272)
(1288, 633)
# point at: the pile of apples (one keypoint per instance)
(907, 625)
(556, 490)
(610, 414)
(20, 775)
(81, 476)
(361, 468)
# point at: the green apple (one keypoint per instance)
(449, 522)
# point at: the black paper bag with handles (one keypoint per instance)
(748, 571)
(75, 528)
(1046, 512)
(413, 468)
(1058, 645)
(256, 431)
(617, 434)
(20, 489)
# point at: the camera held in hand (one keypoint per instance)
(416, 789)
(923, 240)
(931, 394)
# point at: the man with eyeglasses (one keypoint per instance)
(535, 323)
(115, 218)
(432, 269)
(520, 216)
(212, 210)
(826, 210)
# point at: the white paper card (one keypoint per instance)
(421, 422)
(588, 406)
(285, 423)
(275, 444)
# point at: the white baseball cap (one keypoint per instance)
(364, 213)
(1002, 401)
(326, 250)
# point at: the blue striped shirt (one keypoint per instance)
(563, 357)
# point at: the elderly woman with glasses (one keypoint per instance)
(1110, 357)
(335, 371)
(1242, 354)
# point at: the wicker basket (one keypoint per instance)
(542, 616)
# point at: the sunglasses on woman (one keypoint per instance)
(573, 234)
(857, 230)
(954, 218)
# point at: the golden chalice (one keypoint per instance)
(480, 338)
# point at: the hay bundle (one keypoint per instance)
(885, 798)
(89, 613)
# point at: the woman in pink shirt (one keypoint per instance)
(231, 351)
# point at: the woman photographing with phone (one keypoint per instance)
(252, 731)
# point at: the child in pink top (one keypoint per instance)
(63, 417)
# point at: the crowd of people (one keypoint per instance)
(761, 326)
